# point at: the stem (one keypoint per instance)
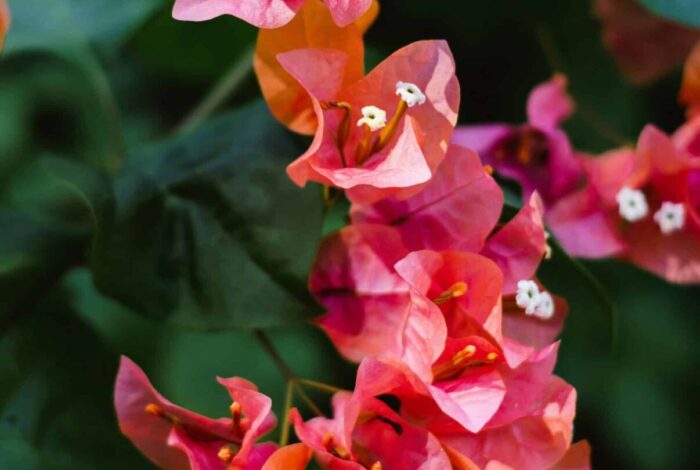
(224, 88)
(279, 361)
(284, 434)
(321, 386)
(306, 399)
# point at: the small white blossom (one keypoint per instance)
(545, 306)
(373, 117)
(633, 204)
(670, 217)
(528, 296)
(410, 93)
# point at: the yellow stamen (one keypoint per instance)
(390, 129)
(338, 451)
(159, 411)
(376, 466)
(236, 413)
(491, 356)
(226, 454)
(364, 148)
(458, 289)
(524, 152)
(343, 128)
(454, 365)
(488, 169)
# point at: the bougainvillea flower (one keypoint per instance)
(538, 154)
(467, 287)
(291, 457)
(538, 438)
(459, 210)
(175, 438)
(368, 303)
(690, 88)
(265, 13)
(643, 202)
(313, 27)
(366, 434)
(353, 148)
(645, 46)
(4, 21)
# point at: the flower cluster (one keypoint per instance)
(639, 204)
(430, 288)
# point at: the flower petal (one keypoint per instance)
(549, 104)
(260, 13)
(456, 211)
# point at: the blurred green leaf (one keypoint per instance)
(681, 11)
(591, 321)
(209, 232)
(108, 24)
(51, 28)
(55, 403)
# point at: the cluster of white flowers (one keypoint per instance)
(535, 302)
(634, 207)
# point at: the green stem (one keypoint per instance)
(321, 386)
(288, 396)
(224, 88)
(306, 399)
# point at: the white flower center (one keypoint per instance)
(545, 306)
(528, 296)
(410, 93)
(670, 217)
(372, 117)
(633, 204)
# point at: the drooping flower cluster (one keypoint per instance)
(429, 288)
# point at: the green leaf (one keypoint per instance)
(56, 407)
(682, 11)
(209, 232)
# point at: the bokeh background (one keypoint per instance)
(96, 81)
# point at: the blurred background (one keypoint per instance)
(95, 82)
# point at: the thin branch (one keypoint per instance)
(232, 80)
(289, 394)
(320, 386)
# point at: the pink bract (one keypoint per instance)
(264, 13)
(175, 438)
(537, 154)
(665, 170)
(365, 431)
(419, 142)
(459, 210)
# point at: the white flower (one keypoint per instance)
(670, 217)
(410, 93)
(528, 296)
(633, 204)
(373, 117)
(545, 306)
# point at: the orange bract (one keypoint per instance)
(291, 457)
(4, 21)
(690, 88)
(313, 27)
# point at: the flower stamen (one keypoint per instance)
(337, 451)
(344, 126)
(458, 289)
